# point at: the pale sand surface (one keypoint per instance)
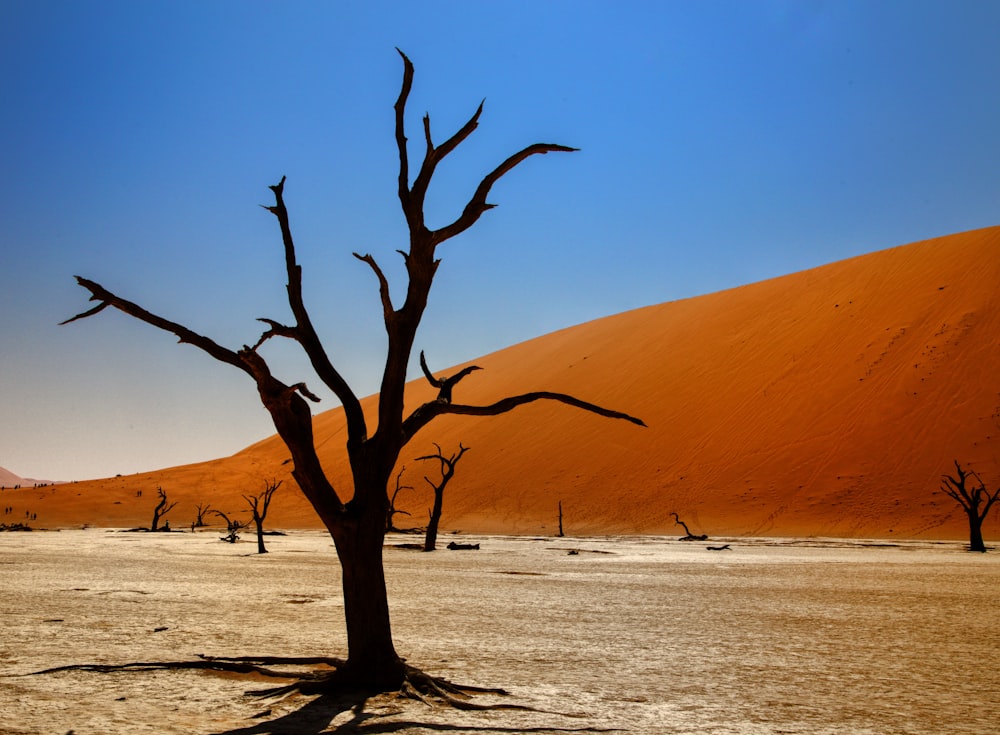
(827, 402)
(639, 634)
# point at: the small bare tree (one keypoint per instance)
(447, 472)
(161, 509)
(202, 510)
(561, 534)
(688, 536)
(259, 504)
(975, 501)
(390, 526)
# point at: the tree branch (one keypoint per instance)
(183, 334)
(290, 413)
(383, 286)
(413, 219)
(477, 204)
(424, 414)
(444, 385)
(277, 330)
(304, 333)
(434, 155)
(957, 491)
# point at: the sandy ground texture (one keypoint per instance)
(827, 402)
(638, 635)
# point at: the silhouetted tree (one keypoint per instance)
(358, 525)
(975, 501)
(688, 536)
(390, 526)
(233, 527)
(202, 510)
(259, 504)
(161, 509)
(447, 466)
(561, 534)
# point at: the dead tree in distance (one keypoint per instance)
(447, 472)
(561, 534)
(259, 504)
(161, 509)
(390, 525)
(975, 501)
(688, 536)
(233, 527)
(201, 511)
(357, 526)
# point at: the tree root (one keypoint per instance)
(236, 665)
(428, 689)
(334, 678)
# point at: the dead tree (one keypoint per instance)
(233, 527)
(259, 504)
(975, 501)
(688, 536)
(202, 510)
(561, 534)
(161, 509)
(357, 526)
(390, 526)
(447, 472)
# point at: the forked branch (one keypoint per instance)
(478, 204)
(444, 385)
(412, 198)
(970, 498)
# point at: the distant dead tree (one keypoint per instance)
(202, 510)
(447, 466)
(233, 527)
(561, 534)
(259, 504)
(390, 525)
(161, 509)
(355, 516)
(688, 536)
(975, 501)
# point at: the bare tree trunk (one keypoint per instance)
(259, 522)
(976, 542)
(161, 509)
(372, 660)
(430, 537)
(561, 534)
(447, 472)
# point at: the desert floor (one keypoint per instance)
(636, 635)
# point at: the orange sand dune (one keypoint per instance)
(826, 402)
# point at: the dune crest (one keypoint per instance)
(826, 402)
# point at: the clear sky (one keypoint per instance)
(721, 143)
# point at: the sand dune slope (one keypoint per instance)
(826, 402)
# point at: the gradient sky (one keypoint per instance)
(721, 143)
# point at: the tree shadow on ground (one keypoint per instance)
(317, 716)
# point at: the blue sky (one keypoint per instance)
(721, 143)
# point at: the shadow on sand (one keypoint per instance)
(317, 716)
